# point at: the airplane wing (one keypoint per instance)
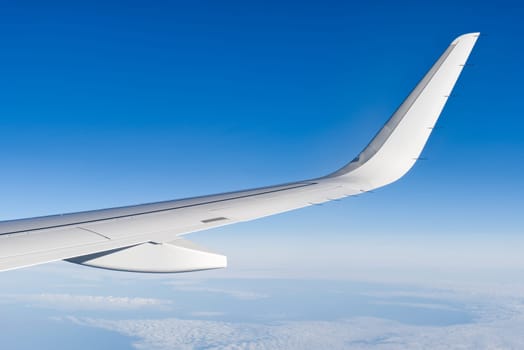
(147, 237)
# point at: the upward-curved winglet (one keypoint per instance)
(397, 146)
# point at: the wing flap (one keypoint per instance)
(176, 256)
(19, 244)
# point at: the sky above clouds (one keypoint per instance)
(112, 103)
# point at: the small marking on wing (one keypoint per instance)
(206, 221)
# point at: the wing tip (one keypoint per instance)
(406, 153)
(473, 35)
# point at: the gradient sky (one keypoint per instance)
(112, 103)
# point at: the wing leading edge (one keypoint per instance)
(112, 238)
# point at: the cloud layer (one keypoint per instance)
(194, 286)
(496, 327)
(86, 302)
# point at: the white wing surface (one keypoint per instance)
(147, 237)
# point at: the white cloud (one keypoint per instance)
(193, 286)
(358, 333)
(207, 313)
(497, 324)
(237, 294)
(430, 306)
(86, 302)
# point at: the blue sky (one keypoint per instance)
(112, 103)
(107, 104)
